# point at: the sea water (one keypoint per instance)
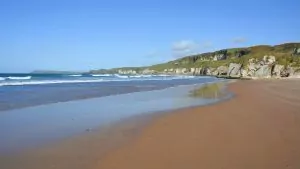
(35, 110)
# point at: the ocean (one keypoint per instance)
(24, 90)
(38, 108)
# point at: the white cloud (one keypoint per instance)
(184, 45)
(239, 40)
(189, 47)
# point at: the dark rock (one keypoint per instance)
(88, 129)
(242, 52)
(296, 52)
(205, 71)
(285, 73)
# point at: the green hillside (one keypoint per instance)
(283, 53)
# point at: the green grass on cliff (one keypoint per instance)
(283, 54)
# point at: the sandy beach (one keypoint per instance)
(259, 128)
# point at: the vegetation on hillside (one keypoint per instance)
(283, 53)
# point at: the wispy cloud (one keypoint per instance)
(184, 47)
(189, 47)
(239, 40)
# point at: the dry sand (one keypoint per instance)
(258, 129)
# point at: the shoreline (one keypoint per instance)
(109, 137)
(45, 124)
(172, 139)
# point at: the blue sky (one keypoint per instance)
(94, 34)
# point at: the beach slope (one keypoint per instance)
(259, 128)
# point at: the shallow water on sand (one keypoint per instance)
(35, 126)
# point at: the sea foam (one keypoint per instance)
(47, 82)
(75, 75)
(121, 76)
(19, 78)
(19, 81)
(101, 75)
(141, 76)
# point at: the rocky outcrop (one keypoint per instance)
(181, 70)
(296, 73)
(293, 72)
(268, 60)
(196, 71)
(220, 55)
(296, 51)
(255, 68)
(277, 70)
(169, 70)
(261, 68)
(264, 68)
(252, 68)
(234, 70)
(263, 71)
(289, 72)
(244, 73)
(222, 70)
(147, 71)
(121, 71)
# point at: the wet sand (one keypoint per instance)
(259, 128)
(82, 151)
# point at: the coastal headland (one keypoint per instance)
(253, 62)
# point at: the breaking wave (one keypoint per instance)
(27, 80)
(121, 76)
(48, 82)
(19, 78)
(142, 76)
(101, 75)
(75, 75)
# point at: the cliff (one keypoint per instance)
(260, 61)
